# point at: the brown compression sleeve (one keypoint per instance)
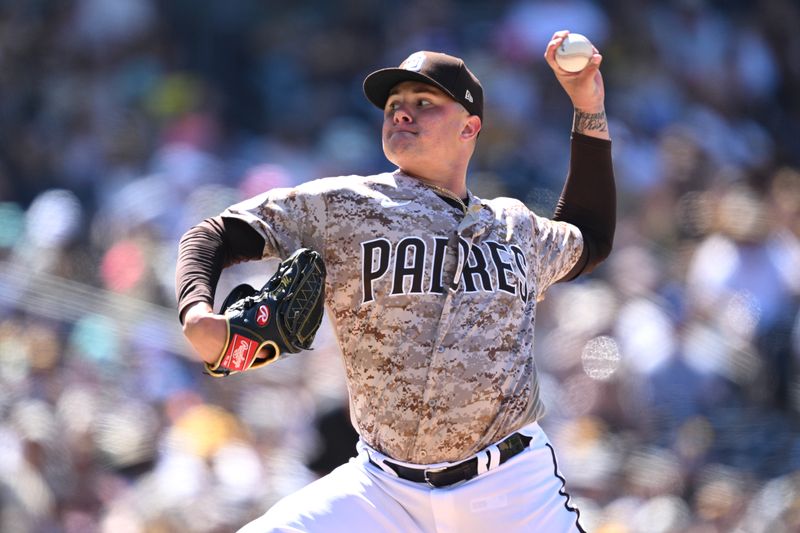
(589, 200)
(205, 250)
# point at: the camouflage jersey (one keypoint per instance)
(433, 306)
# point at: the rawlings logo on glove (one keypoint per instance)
(282, 318)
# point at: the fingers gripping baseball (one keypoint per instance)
(584, 87)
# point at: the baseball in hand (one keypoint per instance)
(574, 52)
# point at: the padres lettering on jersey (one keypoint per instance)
(406, 262)
(433, 309)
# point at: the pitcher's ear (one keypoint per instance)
(472, 127)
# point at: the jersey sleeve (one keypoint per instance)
(287, 219)
(557, 248)
(588, 199)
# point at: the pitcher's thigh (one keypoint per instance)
(346, 500)
(526, 494)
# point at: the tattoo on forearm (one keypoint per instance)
(590, 121)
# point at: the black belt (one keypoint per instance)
(442, 477)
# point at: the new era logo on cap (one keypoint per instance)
(446, 72)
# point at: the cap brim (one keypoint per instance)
(378, 84)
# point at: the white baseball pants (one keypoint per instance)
(525, 494)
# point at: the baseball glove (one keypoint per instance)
(282, 318)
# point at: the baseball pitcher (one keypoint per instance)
(432, 292)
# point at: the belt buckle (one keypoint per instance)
(432, 471)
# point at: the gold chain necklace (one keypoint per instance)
(446, 192)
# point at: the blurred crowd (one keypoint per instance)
(671, 374)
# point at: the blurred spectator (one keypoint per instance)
(743, 280)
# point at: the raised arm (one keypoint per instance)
(585, 89)
(588, 199)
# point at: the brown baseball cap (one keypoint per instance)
(446, 72)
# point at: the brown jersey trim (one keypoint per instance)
(588, 200)
(205, 250)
